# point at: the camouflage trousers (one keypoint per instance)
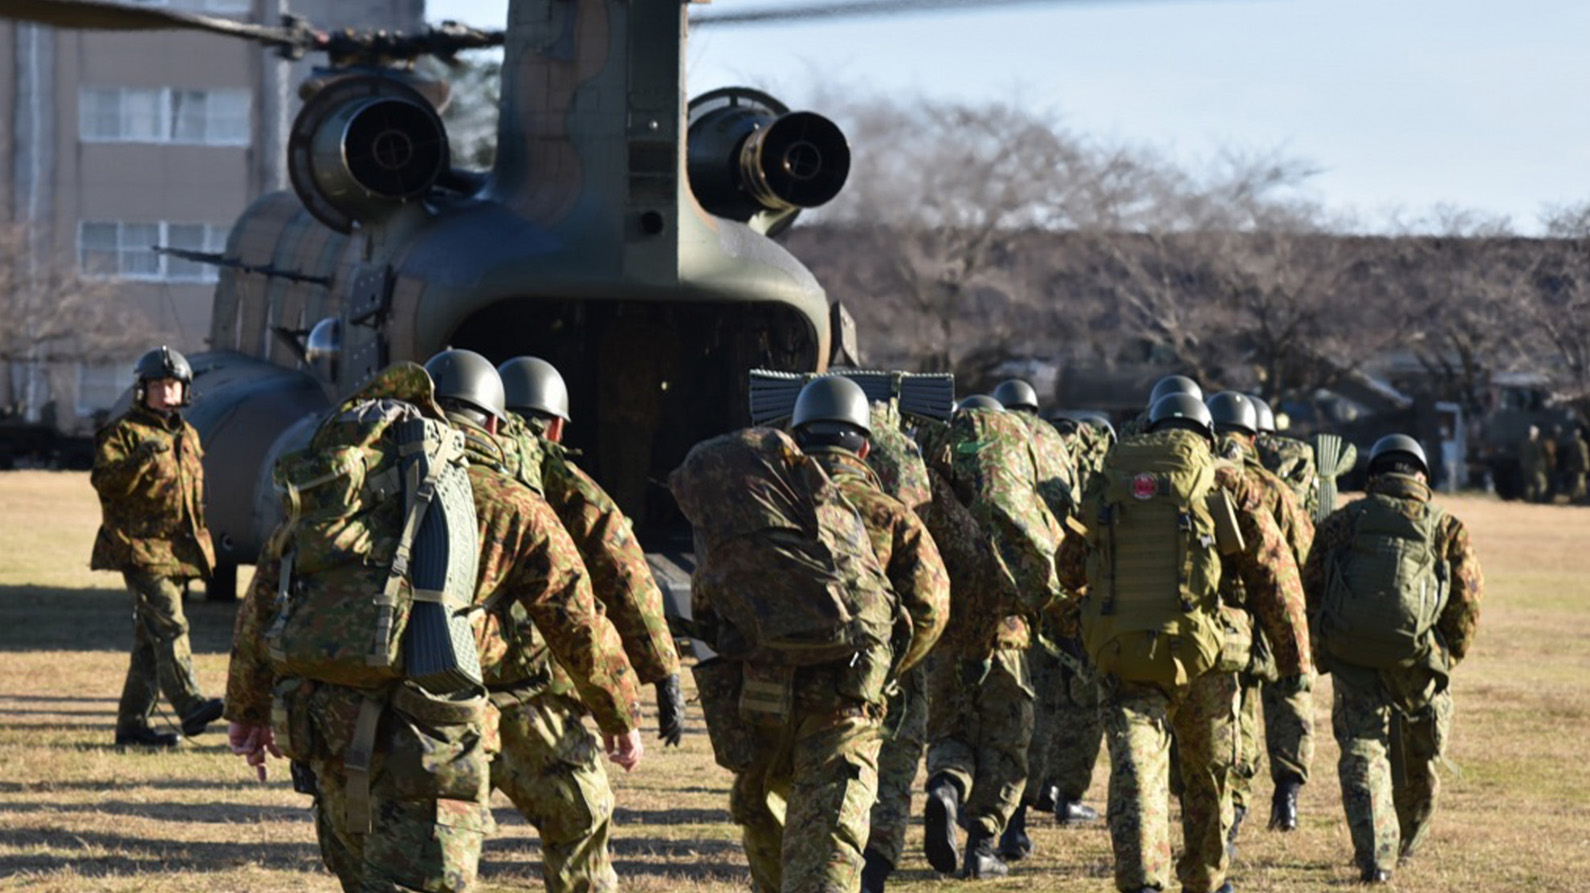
(1139, 722)
(1387, 768)
(802, 804)
(980, 735)
(898, 760)
(1288, 737)
(1066, 737)
(428, 805)
(162, 662)
(551, 768)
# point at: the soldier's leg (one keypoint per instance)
(761, 828)
(1417, 743)
(1247, 762)
(161, 655)
(898, 759)
(340, 849)
(1205, 719)
(1049, 693)
(1004, 723)
(1078, 736)
(1361, 722)
(551, 768)
(1136, 726)
(832, 783)
(951, 722)
(1288, 733)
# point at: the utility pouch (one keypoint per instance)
(435, 747)
(1228, 536)
(291, 713)
(767, 694)
(1236, 648)
(718, 684)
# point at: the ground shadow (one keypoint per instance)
(43, 618)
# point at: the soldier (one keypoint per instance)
(1532, 460)
(1288, 716)
(980, 694)
(149, 475)
(428, 776)
(1196, 696)
(834, 425)
(1390, 648)
(1170, 384)
(1287, 458)
(1575, 456)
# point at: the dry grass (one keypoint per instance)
(75, 814)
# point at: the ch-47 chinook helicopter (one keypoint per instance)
(623, 234)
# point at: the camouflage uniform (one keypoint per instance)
(1575, 464)
(906, 551)
(149, 475)
(1533, 463)
(1066, 733)
(1288, 717)
(1393, 725)
(1292, 461)
(1139, 720)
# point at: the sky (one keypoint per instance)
(1402, 106)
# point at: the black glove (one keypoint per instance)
(1294, 685)
(670, 711)
(971, 671)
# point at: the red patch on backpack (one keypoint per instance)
(1144, 486)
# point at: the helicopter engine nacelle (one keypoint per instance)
(363, 147)
(753, 160)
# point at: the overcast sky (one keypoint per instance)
(1403, 105)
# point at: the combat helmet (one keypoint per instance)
(1174, 384)
(830, 404)
(469, 378)
(1266, 417)
(1395, 447)
(532, 385)
(1016, 394)
(1229, 409)
(1181, 411)
(161, 363)
(980, 401)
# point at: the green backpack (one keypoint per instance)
(1386, 588)
(1152, 612)
(782, 558)
(379, 545)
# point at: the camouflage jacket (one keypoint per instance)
(1057, 470)
(1266, 567)
(1292, 461)
(1279, 499)
(149, 474)
(904, 548)
(895, 457)
(1575, 455)
(1461, 615)
(979, 593)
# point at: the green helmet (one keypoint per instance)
(1180, 411)
(980, 401)
(1398, 446)
(1266, 418)
(1016, 394)
(1174, 384)
(1229, 409)
(162, 363)
(832, 402)
(467, 377)
(532, 385)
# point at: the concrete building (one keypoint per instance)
(116, 142)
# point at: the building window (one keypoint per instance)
(163, 115)
(121, 250)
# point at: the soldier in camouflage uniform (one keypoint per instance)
(1393, 724)
(980, 695)
(431, 770)
(1288, 716)
(1533, 464)
(1575, 455)
(1139, 719)
(834, 425)
(1287, 458)
(149, 475)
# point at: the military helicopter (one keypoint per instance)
(623, 234)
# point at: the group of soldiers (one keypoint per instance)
(1554, 465)
(1012, 659)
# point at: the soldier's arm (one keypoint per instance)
(917, 573)
(620, 576)
(1296, 526)
(551, 582)
(1070, 562)
(976, 597)
(1270, 577)
(117, 463)
(1461, 615)
(1332, 534)
(249, 676)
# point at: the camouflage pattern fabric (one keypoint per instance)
(551, 768)
(523, 454)
(822, 761)
(905, 740)
(1066, 734)
(1056, 467)
(980, 734)
(980, 596)
(1139, 722)
(902, 472)
(1535, 466)
(149, 474)
(1292, 461)
(162, 662)
(1575, 455)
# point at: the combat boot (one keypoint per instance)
(1074, 812)
(940, 842)
(981, 859)
(195, 721)
(1014, 844)
(1283, 806)
(1374, 876)
(1048, 798)
(875, 872)
(147, 737)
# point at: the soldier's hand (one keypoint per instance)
(971, 671)
(1294, 685)
(670, 711)
(253, 742)
(625, 749)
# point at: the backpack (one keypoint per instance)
(1385, 588)
(1292, 461)
(782, 557)
(1152, 612)
(378, 545)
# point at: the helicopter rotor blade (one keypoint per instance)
(91, 15)
(856, 9)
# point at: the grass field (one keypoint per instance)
(75, 814)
